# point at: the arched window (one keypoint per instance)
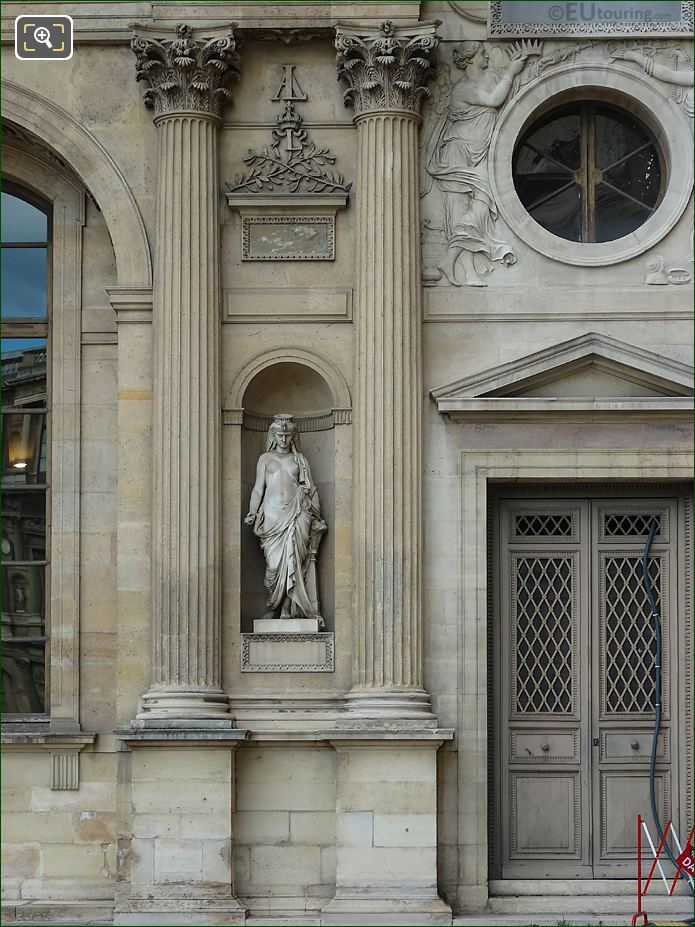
(26, 233)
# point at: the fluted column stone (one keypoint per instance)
(386, 70)
(185, 85)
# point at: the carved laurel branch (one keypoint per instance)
(303, 172)
(184, 74)
(385, 71)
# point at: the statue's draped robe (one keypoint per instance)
(457, 160)
(287, 544)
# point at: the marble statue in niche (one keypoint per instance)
(456, 159)
(285, 513)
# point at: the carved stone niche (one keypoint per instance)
(286, 384)
(289, 196)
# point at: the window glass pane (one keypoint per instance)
(23, 452)
(530, 162)
(23, 597)
(617, 135)
(639, 175)
(559, 138)
(561, 214)
(23, 677)
(616, 215)
(24, 364)
(535, 187)
(21, 221)
(24, 283)
(23, 526)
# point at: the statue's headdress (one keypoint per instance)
(282, 422)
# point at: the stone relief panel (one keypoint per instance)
(464, 237)
(455, 158)
(664, 61)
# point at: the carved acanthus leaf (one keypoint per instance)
(386, 69)
(290, 164)
(185, 75)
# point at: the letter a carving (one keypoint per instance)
(289, 89)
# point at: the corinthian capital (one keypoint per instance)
(184, 75)
(385, 68)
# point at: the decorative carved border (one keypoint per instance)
(248, 221)
(500, 29)
(325, 637)
(572, 513)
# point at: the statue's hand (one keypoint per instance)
(250, 518)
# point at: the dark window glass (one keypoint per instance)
(24, 289)
(23, 526)
(588, 173)
(23, 547)
(23, 677)
(21, 221)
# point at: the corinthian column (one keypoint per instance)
(386, 70)
(185, 87)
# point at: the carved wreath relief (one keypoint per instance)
(290, 165)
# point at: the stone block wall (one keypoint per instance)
(58, 844)
(284, 826)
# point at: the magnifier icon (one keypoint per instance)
(42, 35)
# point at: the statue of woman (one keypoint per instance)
(286, 516)
(457, 160)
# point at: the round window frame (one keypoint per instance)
(616, 86)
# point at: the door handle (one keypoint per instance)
(595, 741)
(635, 744)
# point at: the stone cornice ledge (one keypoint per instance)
(180, 736)
(131, 303)
(43, 740)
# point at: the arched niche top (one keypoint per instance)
(53, 126)
(331, 375)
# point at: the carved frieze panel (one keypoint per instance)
(509, 18)
(288, 653)
(288, 238)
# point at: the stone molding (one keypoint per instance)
(386, 69)
(288, 355)
(319, 421)
(97, 170)
(131, 303)
(283, 645)
(186, 75)
(494, 394)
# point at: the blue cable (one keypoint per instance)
(656, 618)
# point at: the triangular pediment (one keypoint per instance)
(589, 374)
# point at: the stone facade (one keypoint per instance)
(253, 214)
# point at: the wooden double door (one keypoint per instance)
(572, 680)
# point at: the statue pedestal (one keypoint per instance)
(285, 626)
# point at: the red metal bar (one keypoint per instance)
(639, 873)
(678, 870)
(658, 854)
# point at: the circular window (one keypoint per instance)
(588, 172)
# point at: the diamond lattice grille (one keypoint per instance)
(544, 635)
(630, 635)
(543, 525)
(629, 524)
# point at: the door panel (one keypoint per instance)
(623, 678)
(544, 689)
(573, 651)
